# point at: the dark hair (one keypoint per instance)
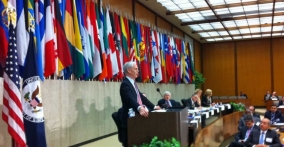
(248, 118)
(273, 105)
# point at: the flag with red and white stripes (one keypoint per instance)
(12, 106)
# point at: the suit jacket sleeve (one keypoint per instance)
(249, 141)
(189, 104)
(238, 136)
(241, 124)
(161, 102)
(275, 139)
(146, 102)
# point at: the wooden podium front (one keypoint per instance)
(268, 103)
(164, 125)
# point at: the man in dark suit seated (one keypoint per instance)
(263, 137)
(267, 95)
(167, 101)
(191, 103)
(131, 97)
(243, 134)
(274, 115)
(281, 103)
(274, 96)
(252, 109)
(242, 122)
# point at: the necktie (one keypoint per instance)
(168, 103)
(261, 140)
(139, 101)
(272, 117)
(247, 134)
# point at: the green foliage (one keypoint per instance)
(158, 143)
(198, 79)
(238, 107)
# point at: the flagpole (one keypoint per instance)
(13, 142)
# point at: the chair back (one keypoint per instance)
(117, 121)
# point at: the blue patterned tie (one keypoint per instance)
(261, 140)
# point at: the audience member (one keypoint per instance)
(252, 109)
(191, 102)
(264, 137)
(274, 96)
(267, 95)
(167, 101)
(198, 92)
(274, 115)
(281, 103)
(243, 94)
(244, 133)
(242, 122)
(207, 99)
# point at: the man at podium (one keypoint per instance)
(131, 97)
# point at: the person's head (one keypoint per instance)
(208, 92)
(265, 124)
(248, 112)
(130, 69)
(198, 92)
(273, 108)
(194, 97)
(249, 121)
(267, 92)
(283, 98)
(241, 93)
(274, 93)
(252, 109)
(167, 95)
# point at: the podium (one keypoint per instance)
(268, 103)
(164, 125)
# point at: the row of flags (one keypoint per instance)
(81, 38)
(40, 38)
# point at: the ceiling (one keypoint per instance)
(223, 20)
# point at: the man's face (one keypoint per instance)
(194, 98)
(264, 124)
(167, 97)
(274, 93)
(267, 92)
(251, 109)
(273, 109)
(133, 71)
(249, 124)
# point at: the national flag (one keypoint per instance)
(100, 20)
(4, 34)
(143, 56)
(32, 101)
(94, 37)
(111, 49)
(168, 57)
(12, 105)
(118, 43)
(185, 64)
(124, 40)
(78, 66)
(176, 59)
(163, 57)
(191, 69)
(156, 61)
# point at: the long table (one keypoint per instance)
(246, 102)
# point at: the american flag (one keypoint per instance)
(12, 106)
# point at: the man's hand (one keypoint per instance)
(261, 145)
(241, 140)
(157, 108)
(143, 112)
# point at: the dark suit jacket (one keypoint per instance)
(254, 115)
(189, 104)
(161, 102)
(280, 103)
(242, 133)
(266, 96)
(278, 114)
(205, 102)
(242, 122)
(129, 100)
(255, 135)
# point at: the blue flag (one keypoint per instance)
(31, 100)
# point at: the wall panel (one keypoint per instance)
(254, 71)
(162, 24)
(219, 68)
(197, 56)
(124, 6)
(177, 32)
(278, 64)
(144, 14)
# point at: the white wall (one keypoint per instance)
(77, 111)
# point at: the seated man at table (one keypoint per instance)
(264, 137)
(191, 103)
(243, 134)
(281, 103)
(274, 96)
(242, 122)
(274, 115)
(252, 109)
(267, 95)
(167, 101)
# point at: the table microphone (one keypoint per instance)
(158, 89)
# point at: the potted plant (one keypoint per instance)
(158, 143)
(238, 107)
(198, 79)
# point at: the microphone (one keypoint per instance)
(158, 89)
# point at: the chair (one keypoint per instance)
(117, 121)
(183, 101)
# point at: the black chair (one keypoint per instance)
(183, 101)
(115, 117)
